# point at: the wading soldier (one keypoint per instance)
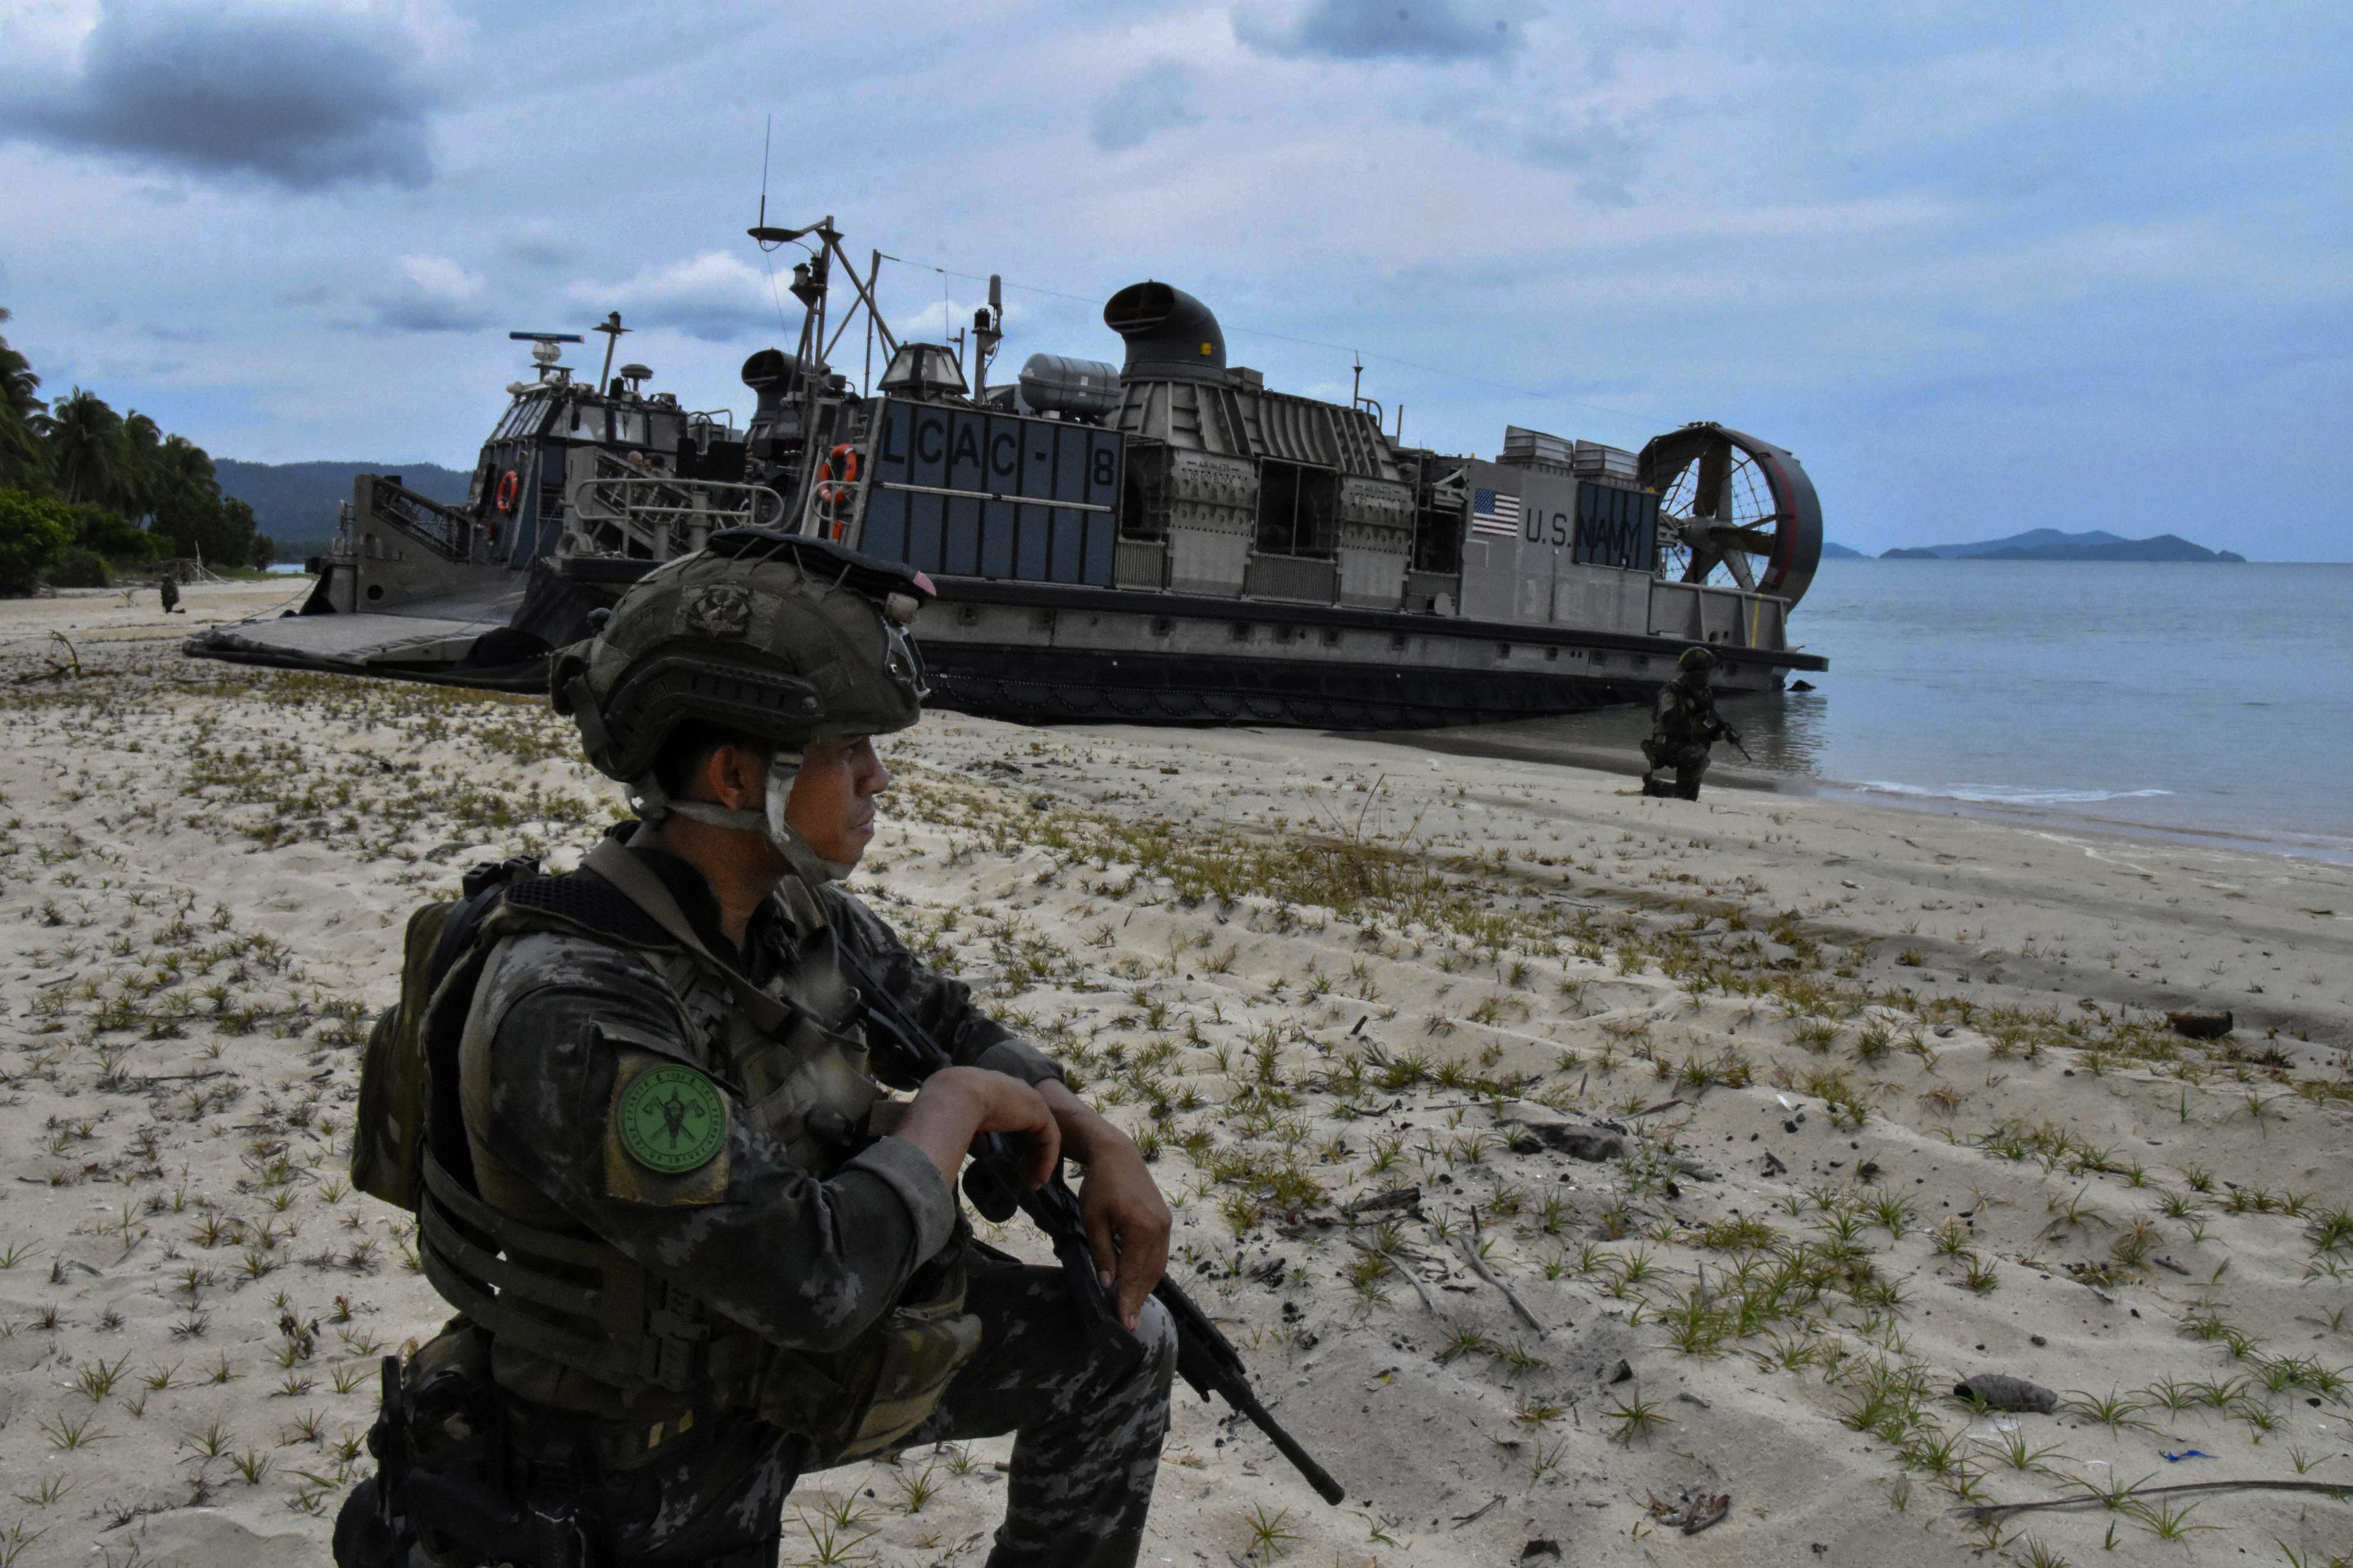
(1682, 727)
(696, 1249)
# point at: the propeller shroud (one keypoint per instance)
(1732, 503)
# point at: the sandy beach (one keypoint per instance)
(1562, 1161)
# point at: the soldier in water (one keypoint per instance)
(1683, 727)
(697, 1251)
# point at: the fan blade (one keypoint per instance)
(1741, 574)
(1755, 541)
(1702, 562)
(1712, 496)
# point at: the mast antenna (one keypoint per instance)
(767, 133)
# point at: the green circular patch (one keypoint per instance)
(671, 1118)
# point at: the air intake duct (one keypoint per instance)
(1171, 336)
(771, 373)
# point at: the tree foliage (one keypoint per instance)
(88, 456)
(22, 457)
(118, 485)
(34, 532)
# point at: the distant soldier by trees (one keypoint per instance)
(86, 491)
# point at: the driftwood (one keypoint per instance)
(2106, 1499)
(1479, 1266)
(56, 671)
(1382, 1202)
(1397, 1262)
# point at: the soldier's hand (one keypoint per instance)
(956, 1105)
(1126, 1218)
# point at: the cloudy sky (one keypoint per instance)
(1983, 267)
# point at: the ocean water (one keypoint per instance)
(2207, 701)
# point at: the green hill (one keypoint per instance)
(296, 503)
(2050, 545)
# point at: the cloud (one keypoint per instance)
(538, 247)
(1426, 30)
(441, 277)
(1165, 94)
(436, 295)
(1598, 152)
(717, 297)
(304, 102)
(940, 320)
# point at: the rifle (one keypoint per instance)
(1205, 1358)
(1726, 730)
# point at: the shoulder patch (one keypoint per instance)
(671, 1119)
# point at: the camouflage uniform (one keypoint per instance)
(761, 1239)
(656, 1179)
(1684, 727)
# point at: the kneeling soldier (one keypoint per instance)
(1683, 727)
(695, 1248)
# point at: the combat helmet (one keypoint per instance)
(780, 638)
(1698, 660)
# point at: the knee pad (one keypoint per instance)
(1156, 1331)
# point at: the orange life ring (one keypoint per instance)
(837, 474)
(509, 487)
(837, 479)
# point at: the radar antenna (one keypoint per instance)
(546, 354)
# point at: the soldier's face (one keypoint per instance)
(832, 803)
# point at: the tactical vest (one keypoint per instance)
(1686, 717)
(656, 1357)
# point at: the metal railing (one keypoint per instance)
(445, 530)
(621, 510)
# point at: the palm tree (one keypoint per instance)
(85, 438)
(21, 412)
(183, 468)
(142, 452)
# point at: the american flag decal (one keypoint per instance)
(1493, 513)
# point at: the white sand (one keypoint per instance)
(207, 867)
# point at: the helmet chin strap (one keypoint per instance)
(653, 803)
(814, 869)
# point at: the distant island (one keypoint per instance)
(2050, 545)
(295, 503)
